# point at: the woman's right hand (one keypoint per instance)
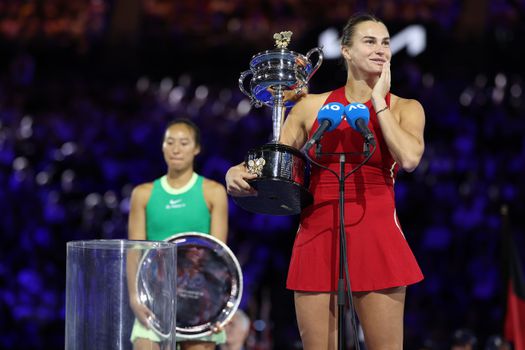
(142, 313)
(236, 183)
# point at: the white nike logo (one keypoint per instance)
(175, 204)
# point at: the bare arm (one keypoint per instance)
(137, 231)
(293, 133)
(300, 120)
(217, 201)
(137, 212)
(402, 127)
(404, 134)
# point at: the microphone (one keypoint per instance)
(329, 117)
(358, 116)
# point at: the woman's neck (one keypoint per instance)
(357, 93)
(359, 89)
(179, 178)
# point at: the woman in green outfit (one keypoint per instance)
(180, 201)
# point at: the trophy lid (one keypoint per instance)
(281, 51)
(282, 39)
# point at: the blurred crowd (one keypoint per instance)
(56, 22)
(221, 21)
(72, 145)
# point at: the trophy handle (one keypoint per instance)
(319, 60)
(253, 100)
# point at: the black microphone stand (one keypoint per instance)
(343, 265)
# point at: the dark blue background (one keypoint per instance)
(86, 88)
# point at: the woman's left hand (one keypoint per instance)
(217, 328)
(383, 83)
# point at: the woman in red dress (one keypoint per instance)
(380, 261)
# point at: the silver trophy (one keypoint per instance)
(282, 182)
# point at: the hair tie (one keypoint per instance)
(381, 110)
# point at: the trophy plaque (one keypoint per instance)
(282, 182)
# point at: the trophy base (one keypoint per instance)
(275, 197)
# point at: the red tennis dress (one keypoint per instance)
(378, 254)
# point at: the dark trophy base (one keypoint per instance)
(276, 197)
(282, 185)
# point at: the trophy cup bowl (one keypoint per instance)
(283, 171)
(282, 180)
(279, 68)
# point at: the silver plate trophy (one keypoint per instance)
(282, 182)
(209, 284)
(153, 282)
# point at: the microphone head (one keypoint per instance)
(356, 111)
(332, 112)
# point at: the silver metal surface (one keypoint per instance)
(276, 77)
(209, 284)
(282, 181)
(153, 288)
(279, 68)
(272, 73)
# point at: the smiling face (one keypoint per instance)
(180, 147)
(368, 48)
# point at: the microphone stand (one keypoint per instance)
(343, 265)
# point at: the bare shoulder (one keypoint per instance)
(213, 188)
(141, 193)
(306, 108)
(143, 190)
(310, 102)
(399, 104)
(301, 118)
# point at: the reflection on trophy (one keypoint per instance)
(282, 182)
